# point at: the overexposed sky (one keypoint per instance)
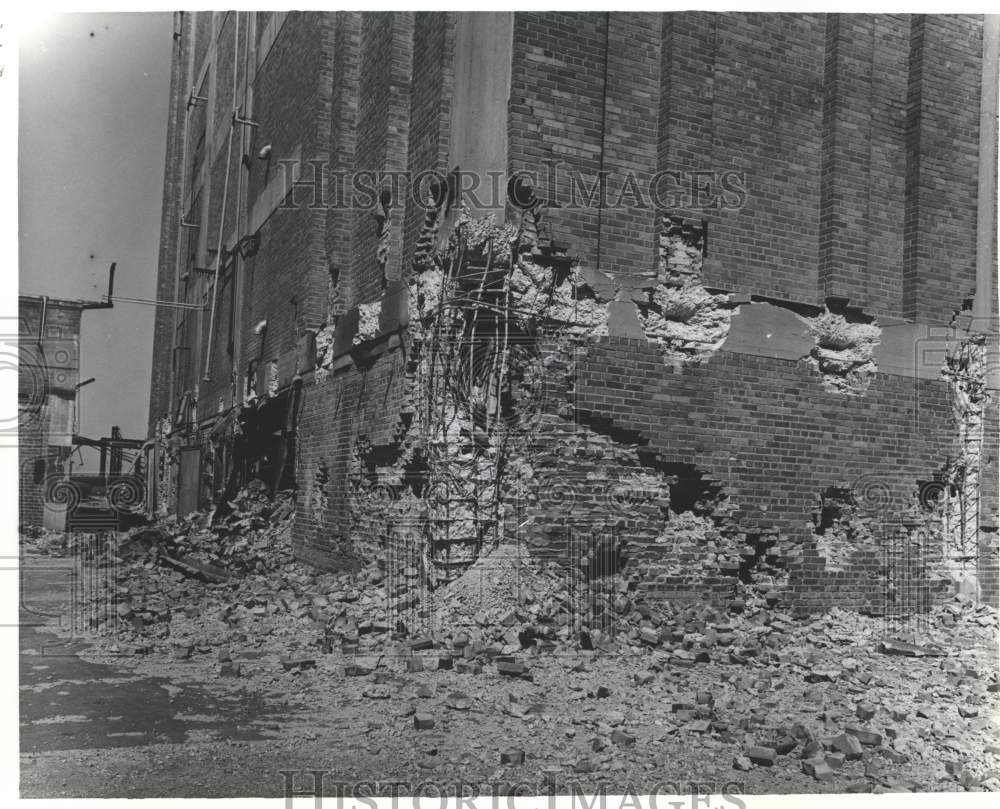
(91, 143)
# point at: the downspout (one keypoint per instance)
(184, 71)
(982, 310)
(207, 376)
(41, 320)
(241, 216)
(150, 468)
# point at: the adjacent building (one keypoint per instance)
(47, 406)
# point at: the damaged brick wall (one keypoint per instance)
(701, 468)
(771, 434)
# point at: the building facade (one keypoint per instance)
(710, 294)
(47, 394)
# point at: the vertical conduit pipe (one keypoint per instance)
(207, 376)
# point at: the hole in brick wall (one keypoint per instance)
(381, 455)
(834, 504)
(606, 558)
(757, 555)
(415, 473)
(690, 489)
(932, 494)
(844, 353)
(841, 527)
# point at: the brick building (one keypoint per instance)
(707, 292)
(47, 401)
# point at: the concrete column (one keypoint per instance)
(483, 53)
(986, 215)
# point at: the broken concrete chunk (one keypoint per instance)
(229, 669)
(898, 647)
(895, 756)
(621, 738)
(847, 744)
(822, 674)
(835, 761)
(508, 669)
(458, 701)
(419, 644)
(649, 636)
(300, 663)
(811, 749)
(761, 756)
(865, 711)
(512, 757)
(866, 737)
(423, 721)
(817, 768)
(785, 745)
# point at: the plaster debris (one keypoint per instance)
(960, 493)
(368, 318)
(844, 352)
(324, 352)
(688, 323)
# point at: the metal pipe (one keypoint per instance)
(244, 121)
(241, 213)
(207, 376)
(41, 319)
(986, 212)
(186, 68)
(149, 467)
(108, 303)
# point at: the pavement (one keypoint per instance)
(82, 722)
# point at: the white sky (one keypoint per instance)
(92, 138)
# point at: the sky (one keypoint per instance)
(93, 101)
